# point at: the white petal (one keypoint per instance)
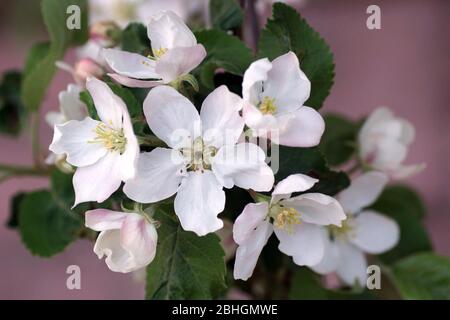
(363, 191)
(129, 158)
(352, 265)
(139, 238)
(253, 215)
(108, 244)
(158, 176)
(75, 138)
(71, 106)
(375, 233)
(287, 84)
(171, 116)
(317, 208)
(243, 165)
(179, 61)
(198, 202)
(98, 181)
(261, 124)
(130, 64)
(221, 122)
(110, 108)
(302, 128)
(254, 76)
(53, 118)
(305, 243)
(406, 171)
(166, 31)
(103, 219)
(134, 83)
(293, 183)
(330, 260)
(247, 254)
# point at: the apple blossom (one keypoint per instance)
(71, 108)
(104, 151)
(364, 231)
(297, 223)
(383, 144)
(128, 240)
(175, 54)
(275, 93)
(202, 157)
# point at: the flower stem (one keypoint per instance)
(35, 123)
(10, 171)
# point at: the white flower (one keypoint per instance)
(383, 144)
(363, 231)
(128, 240)
(105, 151)
(275, 92)
(202, 159)
(71, 108)
(297, 222)
(175, 54)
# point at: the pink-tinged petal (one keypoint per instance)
(305, 243)
(247, 254)
(139, 238)
(177, 62)
(131, 65)
(245, 225)
(352, 266)
(293, 183)
(254, 77)
(171, 116)
(303, 128)
(363, 191)
(134, 83)
(406, 171)
(198, 202)
(104, 219)
(330, 260)
(243, 165)
(110, 108)
(98, 181)
(375, 233)
(317, 208)
(159, 174)
(166, 30)
(287, 84)
(221, 122)
(108, 244)
(76, 140)
(70, 104)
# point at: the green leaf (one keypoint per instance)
(12, 111)
(133, 105)
(404, 206)
(186, 266)
(306, 285)
(225, 14)
(224, 51)
(40, 73)
(36, 53)
(338, 141)
(287, 31)
(46, 223)
(423, 276)
(310, 161)
(86, 98)
(13, 221)
(134, 39)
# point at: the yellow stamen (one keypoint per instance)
(112, 139)
(199, 155)
(267, 105)
(285, 218)
(159, 52)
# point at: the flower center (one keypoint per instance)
(284, 218)
(112, 139)
(159, 52)
(199, 155)
(347, 230)
(267, 105)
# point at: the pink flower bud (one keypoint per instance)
(86, 68)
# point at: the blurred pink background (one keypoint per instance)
(405, 65)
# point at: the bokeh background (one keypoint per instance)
(405, 65)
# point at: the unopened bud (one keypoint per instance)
(86, 68)
(107, 33)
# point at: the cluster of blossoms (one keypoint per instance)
(205, 152)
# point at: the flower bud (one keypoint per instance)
(107, 33)
(86, 68)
